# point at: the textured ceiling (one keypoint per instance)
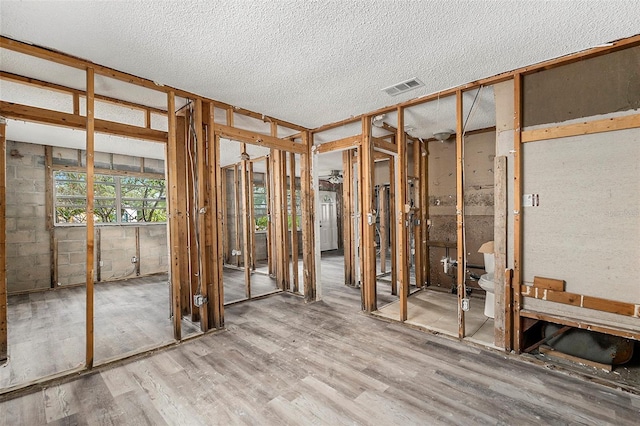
(315, 62)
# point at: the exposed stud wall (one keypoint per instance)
(330, 58)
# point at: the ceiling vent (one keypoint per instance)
(402, 87)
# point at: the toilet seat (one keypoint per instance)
(486, 282)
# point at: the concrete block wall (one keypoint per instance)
(28, 239)
(28, 258)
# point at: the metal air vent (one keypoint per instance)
(402, 87)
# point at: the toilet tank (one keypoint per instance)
(489, 262)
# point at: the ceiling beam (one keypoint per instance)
(252, 138)
(63, 119)
(339, 145)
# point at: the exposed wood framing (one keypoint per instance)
(383, 145)
(137, 268)
(347, 217)
(394, 225)
(508, 310)
(308, 220)
(502, 296)
(50, 213)
(269, 191)
(259, 139)
(401, 210)
(584, 128)
(111, 172)
(181, 220)
(285, 202)
(226, 244)
(175, 215)
(460, 213)
(252, 227)
(245, 191)
(382, 209)
(217, 194)
(3, 240)
(63, 119)
(368, 218)
(424, 211)
(71, 61)
(236, 212)
(517, 207)
(191, 285)
(339, 145)
(89, 148)
(417, 215)
(294, 223)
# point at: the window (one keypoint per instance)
(260, 207)
(117, 199)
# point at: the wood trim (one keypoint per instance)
(585, 128)
(3, 242)
(461, 255)
(401, 216)
(517, 206)
(173, 178)
(252, 138)
(63, 119)
(90, 219)
(339, 145)
(622, 332)
(582, 301)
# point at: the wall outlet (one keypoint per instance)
(530, 200)
(465, 305)
(101, 263)
(134, 259)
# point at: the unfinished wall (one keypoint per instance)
(28, 258)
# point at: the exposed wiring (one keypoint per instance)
(194, 178)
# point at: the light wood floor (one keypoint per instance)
(282, 361)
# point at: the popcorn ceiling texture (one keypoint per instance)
(317, 62)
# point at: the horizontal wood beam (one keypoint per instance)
(584, 128)
(582, 301)
(75, 62)
(70, 90)
(57, 118)
(252, 138)
(384, 145)
(339, 145)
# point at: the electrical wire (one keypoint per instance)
(194, 178)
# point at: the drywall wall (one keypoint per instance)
(587, 227)
(599, 85)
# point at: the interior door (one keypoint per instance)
(328, 221)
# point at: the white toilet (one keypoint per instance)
(486, 281)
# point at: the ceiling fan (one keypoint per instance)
(335, 176)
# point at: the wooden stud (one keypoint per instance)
(622, 332)
(294, 222)
(147, 119)
(3, 239)
(517, 206)
(417, 215)
(347, 217)
(191, 285)
(383, 145)
(424, 209)
(368, 218)
(393, 225)
(89, 148)
(259, 139)
(284, 206)
(269, 191)
(508, 310)
(49, 211)
(236, 211)
(175, 247)
(218, 193)
(246, 217)
(402, 274)
(181, 220)
(252, 223)
(382, 208)
(460, 214)
(308, 220)
(501, 292)
(137, 232)
(224, 187)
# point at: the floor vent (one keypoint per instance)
(402, 87)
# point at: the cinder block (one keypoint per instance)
(21, 237)
(33, 249)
